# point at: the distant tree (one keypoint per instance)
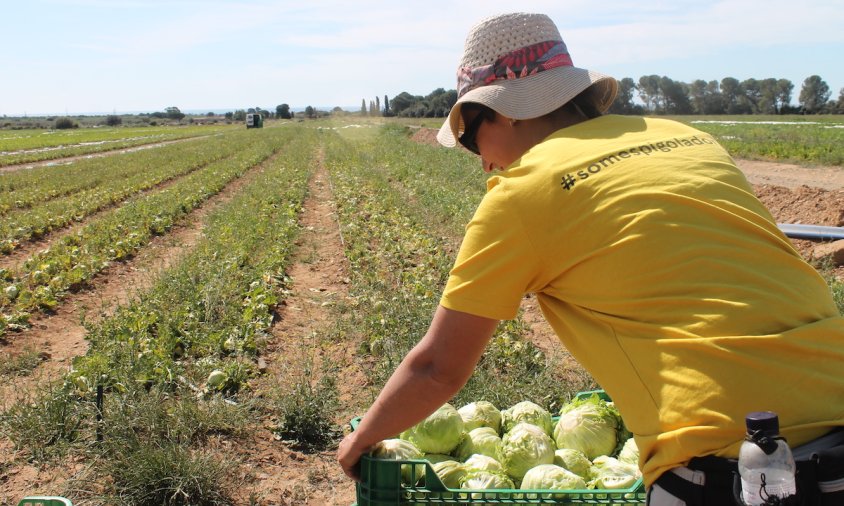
(782, 97)
(675, 95)
(174, 113)
(814, 94)
(310, 112)
(731, 94)
(401, 102)
(768, 102)
(65, 123)
(649, 92)
(697, 96)
(363, 107)
(240, 115)
(377, 106)
(229, 115)
(752, 95)
(440, 102)
(283, 111)
(623, 103)
(713, 100)
(839, 106)
(705, 97)
(113, 120)
(387, 112)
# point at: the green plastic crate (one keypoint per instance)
(44, 501)
(381, 485)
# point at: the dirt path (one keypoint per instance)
(792, 176)
(320, 281)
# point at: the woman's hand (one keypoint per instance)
(349, 454)
(430, 374)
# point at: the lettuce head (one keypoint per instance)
(450, 472)
(440, 432)
(589, 425)
(629, 453)
(399, 449)
(480, 414)
(483, 440)
(528, 412)
(486, 480)
(523, 447)
(551, 477)
(573, 460)
(478, 462)
(610, 473)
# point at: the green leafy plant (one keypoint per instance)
(306, 415)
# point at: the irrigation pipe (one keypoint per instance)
(817, 232)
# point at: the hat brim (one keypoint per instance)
(532, 96)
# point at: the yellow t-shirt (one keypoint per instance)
(666, 278)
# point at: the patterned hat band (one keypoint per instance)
(523, 62)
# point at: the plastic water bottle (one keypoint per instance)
(765, 462)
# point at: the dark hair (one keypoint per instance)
(582, 105)
(488, 112)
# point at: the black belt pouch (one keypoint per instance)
(830, 475)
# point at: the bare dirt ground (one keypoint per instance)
(272, 473)
(280, 475)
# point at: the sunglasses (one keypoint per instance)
(468, 139)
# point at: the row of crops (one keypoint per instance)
(27, 146)
(402, 210)
(36, 202)
(152, 362)
(71, 262)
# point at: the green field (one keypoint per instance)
(401, 208)
(806, 140)
(25, 146)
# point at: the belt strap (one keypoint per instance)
(829, 440)
(691, 493)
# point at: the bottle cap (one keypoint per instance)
(763, 423)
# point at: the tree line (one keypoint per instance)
(660, 95)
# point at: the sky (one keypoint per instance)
(128, 56)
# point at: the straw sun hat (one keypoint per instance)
(518, 65)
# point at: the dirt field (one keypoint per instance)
(270, 473)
